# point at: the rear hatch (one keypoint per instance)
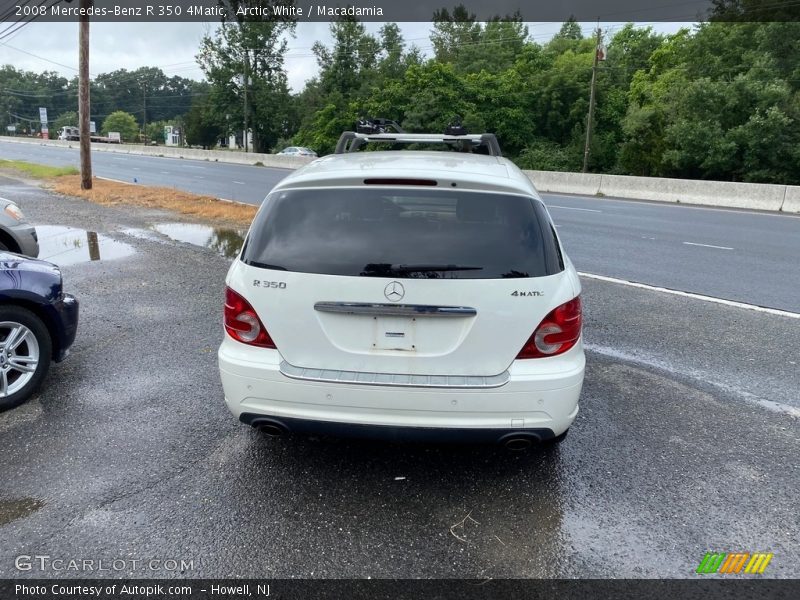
(401, 280)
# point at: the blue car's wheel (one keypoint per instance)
(25, 352)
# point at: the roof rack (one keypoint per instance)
(375, 131)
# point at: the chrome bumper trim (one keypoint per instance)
(392, 379)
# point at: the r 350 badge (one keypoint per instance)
(276, 285)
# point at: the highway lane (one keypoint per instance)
(242, 183)
(745, 256)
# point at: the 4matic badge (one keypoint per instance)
(526, 293)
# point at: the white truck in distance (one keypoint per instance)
(73, 134)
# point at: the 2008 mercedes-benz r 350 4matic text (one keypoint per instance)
(405, 294)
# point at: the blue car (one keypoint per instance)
(38, 322)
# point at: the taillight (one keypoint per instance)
(558, 332)
(242, 322)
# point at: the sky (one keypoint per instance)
(172, 46)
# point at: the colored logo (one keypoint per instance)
(734, 562)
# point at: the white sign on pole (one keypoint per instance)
(43, 114)
(92, 127)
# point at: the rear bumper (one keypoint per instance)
(541, 406)
(397, 434)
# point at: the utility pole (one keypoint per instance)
(83, 96)
(590, 117)
(144, 112)
(246, 76)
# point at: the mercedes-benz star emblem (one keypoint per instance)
(394, 291)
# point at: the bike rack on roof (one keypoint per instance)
(351, 141)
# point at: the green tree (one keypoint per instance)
(717, 103)
(570, 30)
(147, 93)
(202, 127)
(247, 57)
(154, 132)
(123, 123)
(544, 155)
(471, 46)
(349, 66)
(322, 133)
(454, 32)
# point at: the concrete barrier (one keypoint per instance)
(565, 183)
(791, 203)
(709, 193)
(754, 196)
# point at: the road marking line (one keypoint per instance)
(664, 365)
(573, 208)
(240, 182)
(165, 172)
(236, 202)
(708, 246)
(655, 288)
(115, 180)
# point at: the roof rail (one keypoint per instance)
(351, 141)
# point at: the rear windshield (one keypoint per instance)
(403, 233)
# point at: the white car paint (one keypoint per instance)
(383, 370)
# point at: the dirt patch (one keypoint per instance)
(112, 193)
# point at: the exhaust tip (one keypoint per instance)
(520, 443)
(270, 428)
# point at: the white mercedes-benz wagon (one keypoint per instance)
(417, 295)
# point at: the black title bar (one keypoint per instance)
(712, 588)
(641, 11)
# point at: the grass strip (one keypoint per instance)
(113, 193)
(36, 171)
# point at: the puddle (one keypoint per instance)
(11, 510)
(224, 241)
(70, 245)
(143, 234)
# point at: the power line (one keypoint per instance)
(22, 23)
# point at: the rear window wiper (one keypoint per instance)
(422, 268)
(261, 265)
(384, 269)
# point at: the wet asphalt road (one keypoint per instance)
(687, 442)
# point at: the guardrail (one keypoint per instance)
(753, 196)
